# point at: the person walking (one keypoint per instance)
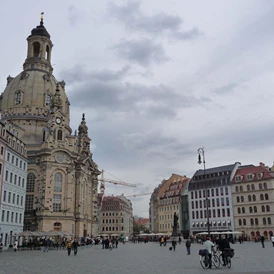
(116, 242)
(188, 244)
(223, 245)
(103, 243)
(208, 245)
(1, 247)
(15, 245)
(272, 240)
(75, 247)
(262, 241)
(180, 240)
(69, 247)
(174, 244)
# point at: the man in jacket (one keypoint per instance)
(208, 246)
(188, 244)
(75, 246)
(224, 244)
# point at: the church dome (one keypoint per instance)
(40, 30)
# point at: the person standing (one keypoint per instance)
(116, 242)
(174, 244)
(272, 240)
(103, 243)
(1, 247)
(223, 245)
(15, 245)
(262, 241)
(188, 244)
(208, 245)
(180, 240)
(75, 246)
(69, 247)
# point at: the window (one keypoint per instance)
(255, 209)
(249, 198)
(265, 185)
(11, 176)
(242, 199)
(47, 100)
(3, 216)
(256, 221)
(223, 212)
(212, 192)
(241, 189)
(60, 137)
(13, 198)
(30, 182)
(0, 168)
(4, 196)
(264, 221)
(19, 181)
(263, 209)
(249, 177)
(261, 197)
(20, 218)
(260, 186)
(15, 179)
(58, 182)
(226, 190)
(254, 198)
(240, 222)
(266, 196)
(248, 187)
(252, 187)
(251, 221)
(18, 97)
(12, 215)
(23, 183)
(227, 201)
(244, 221)
(9, 197)
(21, 201)
(250, 209)
(7, 175)
(8, 157)
(16, 217)
(17, 200)
(228, 212)
(243, 210)
(267, 208)
(16, 162)
(269, 220)
(2, 150)
(57, 198)
(29, 203)
(237, 189)
(238, 199)
(8, 216)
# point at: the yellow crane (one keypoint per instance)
(140, 194)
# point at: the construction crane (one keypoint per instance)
(136, 195)
(103, 181)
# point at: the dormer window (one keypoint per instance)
(238, 178)
(259, 175)
(18, 97)
(249, 177)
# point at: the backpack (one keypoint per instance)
(203, 252)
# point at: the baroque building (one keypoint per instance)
(61, 176)
(253, 199)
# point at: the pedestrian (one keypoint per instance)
(272, 240)
(1, 247)
(162, 241)
(208, 245)
(180, 240)
(15, 245)
(69, 247)
(188, 244)
(174, 243)
(262, 241)
(116, 242)
(224, 245)
(75, 246)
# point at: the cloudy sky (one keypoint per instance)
(157, 80)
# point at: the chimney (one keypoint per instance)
(261, 164)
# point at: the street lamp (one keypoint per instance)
(201, 159)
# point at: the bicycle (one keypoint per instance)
(228, 253)
(205, 260)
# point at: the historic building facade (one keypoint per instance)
(13, 174)
(116, 216)
(253, 199)
(217, 182)
(62, 176)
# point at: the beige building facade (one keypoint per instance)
(61, 187)
(253, 200)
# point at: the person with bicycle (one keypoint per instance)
(223, 247)
(208, 246)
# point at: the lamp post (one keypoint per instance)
(201, 159)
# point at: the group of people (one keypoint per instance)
(72, 245)
(109, 243)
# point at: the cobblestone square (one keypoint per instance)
(135, 258)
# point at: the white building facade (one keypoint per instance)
(217, 183)
(13, 187)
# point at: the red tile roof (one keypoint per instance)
(244, 171)
(175, 189)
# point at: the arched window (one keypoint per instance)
(18, 97)
(47, 100)
(260, 186)
(239, 210)
(251, 221)
(243, 210)
(254, 198)
(237, 189)
(261, 197)
(238, 199)
(267, 208)
(250, 209)
(242, 199)
(47, 57)
(264, 221)
(249, 198)
(248, 187)
(265, 185)
(256, 221)
(244, 221)
(240, 222)
(36, 49)
(58, 182)
(269, 220)
(255, 209)
(30, 182)
(263, 209)
(44, 136)
(252, 187)
(266, 196)
(241, 188)
(59, 134)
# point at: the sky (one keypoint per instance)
(157, 80)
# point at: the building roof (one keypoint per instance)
(143, 221)
(259, 173)
(175, 189)
(215, 169)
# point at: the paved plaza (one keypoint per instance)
(134, 258)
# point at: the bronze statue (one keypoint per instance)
(175, 219)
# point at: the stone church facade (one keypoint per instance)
(61, 192)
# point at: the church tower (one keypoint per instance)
(61, 189)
